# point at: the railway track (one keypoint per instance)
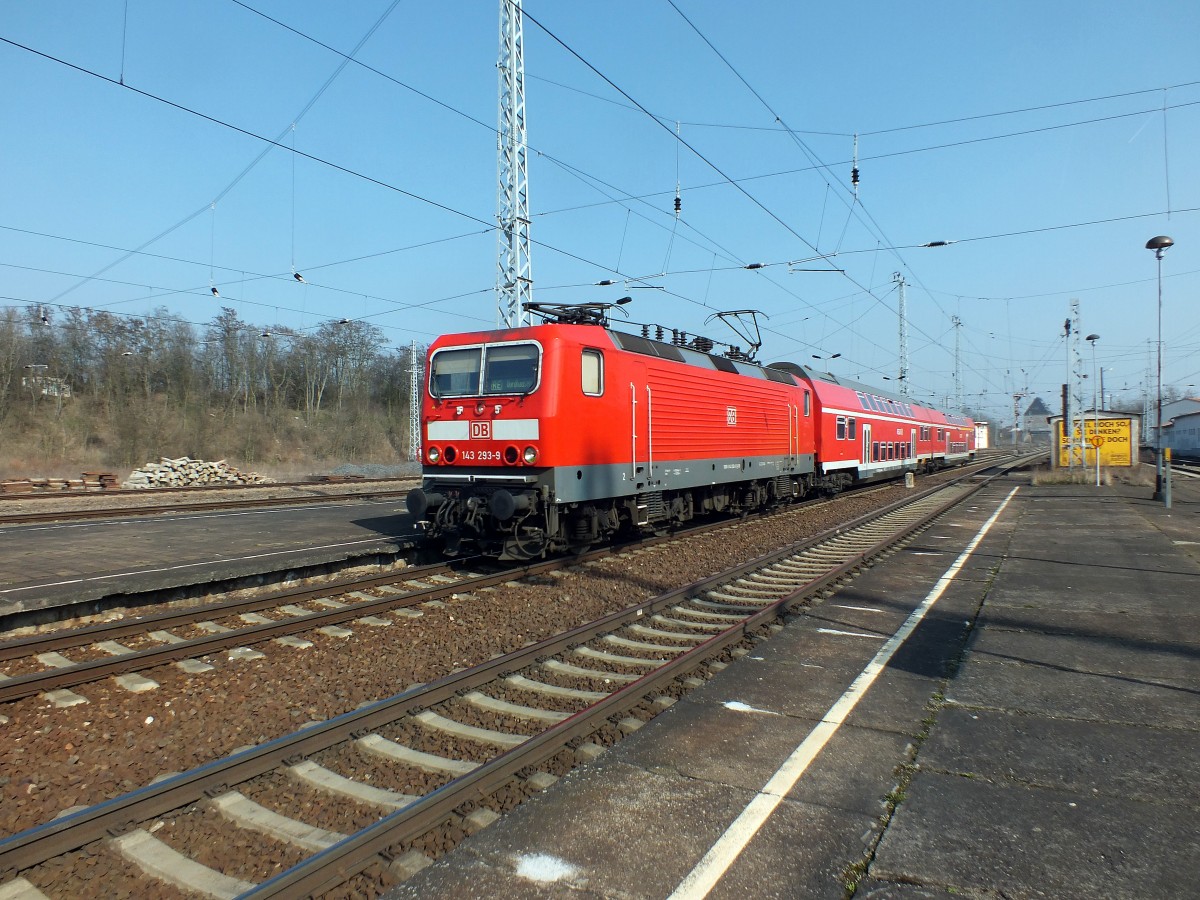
(39, 664)
(401, 779)
(190, 499)
(1186, 469)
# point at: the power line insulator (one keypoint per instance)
(678, 204)
(854, 176)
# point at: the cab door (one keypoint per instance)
(641, 436)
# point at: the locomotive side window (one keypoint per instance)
(807, 404)
(593, 373)
(455, 373)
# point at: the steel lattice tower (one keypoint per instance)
(415, 381)
(514, 283)
(903, 312)
(958, 391)
(1076, 447)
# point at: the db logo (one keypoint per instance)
(481, 431)
(731, 415)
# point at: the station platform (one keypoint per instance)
(92, 565)
(1007, 707)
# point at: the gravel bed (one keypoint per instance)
(51, 759)
(348, 761)
(280, 793)
(534, 699)
(201, 833)
(99, 872)
(558, 679)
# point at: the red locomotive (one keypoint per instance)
(554, 436)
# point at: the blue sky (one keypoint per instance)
(135, 175)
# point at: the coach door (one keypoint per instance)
(912, 442)
(866, 442)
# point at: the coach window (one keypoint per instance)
(841, 428)
(875, 451)
(593, 373)
(852, 428)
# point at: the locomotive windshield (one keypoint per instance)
(505, 369)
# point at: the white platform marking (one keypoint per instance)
(704, 877)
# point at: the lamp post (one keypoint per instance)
(1016, 417)
(1162, 481)
(1091, 339)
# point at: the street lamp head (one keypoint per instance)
(1158, 244)
(1093, 338)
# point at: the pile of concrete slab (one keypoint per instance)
(188, 472)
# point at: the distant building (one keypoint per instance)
(1179, 408)
(1175, 409)
(1182, 432)
(982, 436)
(47, 386)
(1035, 424)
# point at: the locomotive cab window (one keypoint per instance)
(593, 373)
(495, 369)
(455, 373)
(510, 369)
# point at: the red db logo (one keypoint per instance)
(481, 431)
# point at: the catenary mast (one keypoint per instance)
(514, 283)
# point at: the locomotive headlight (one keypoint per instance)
(530, 455)
(434, 454)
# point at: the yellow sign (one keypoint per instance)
(1111, 438)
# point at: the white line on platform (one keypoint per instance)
(712, 868)
(878, 637)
